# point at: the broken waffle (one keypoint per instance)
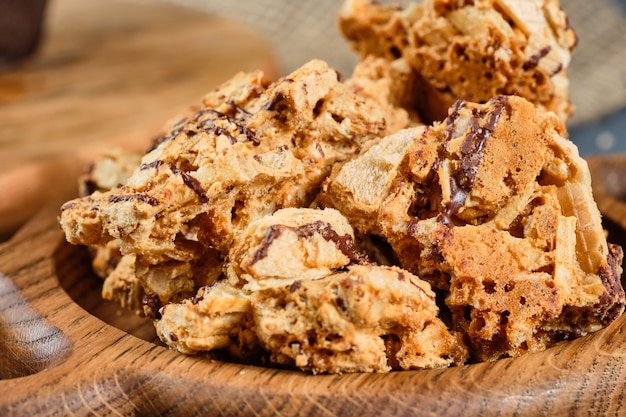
(287, 295)
(251, 148)
(472, 50)
(494, 208)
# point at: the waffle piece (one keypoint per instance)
(494, 208)
(285, 301)
(252, 148)
(288, 245)
(110, 170)
(469, 50)
(217, 318)
(367, 319)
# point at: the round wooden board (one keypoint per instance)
(64, 351)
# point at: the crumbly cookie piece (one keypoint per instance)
(285, 301)
(386, 81)
(126, 278)
(248, 139)
(470, 50)
(217, 318)
(368, 319)
(288, 245)
(494, 208)
(275, 250)
(111, 169)
(252, 148)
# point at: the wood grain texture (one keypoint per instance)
(108, 73)
(89, 358)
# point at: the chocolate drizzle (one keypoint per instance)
(453, 117)
(188, 180)
(472, 151)
(219, 131)
(154, 164)
(69, 206)
(534, 59)
(276, 103)
(271, 233)
(458, 195)
(295, 286)
(473, 146)
(192, 183)
(344, 243)
(239, 109)
(209, 126)
(611, 303)
(250, 135)
(137, 196)
(158, 141)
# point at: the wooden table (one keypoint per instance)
(108, 72)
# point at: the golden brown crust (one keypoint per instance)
(494, 207)
(368, 319)
(470, 50)
(252, 148)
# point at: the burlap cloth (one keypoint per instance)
(302, 30)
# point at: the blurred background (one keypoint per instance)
(301, 30)
(297, 31)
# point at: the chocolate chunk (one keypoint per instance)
(612, 302)
(151, 305)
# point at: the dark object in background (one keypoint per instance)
(21, 24)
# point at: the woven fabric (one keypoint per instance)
(301, 30)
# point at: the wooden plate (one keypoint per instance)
(65, 351)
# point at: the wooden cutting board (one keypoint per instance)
(109, 73)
